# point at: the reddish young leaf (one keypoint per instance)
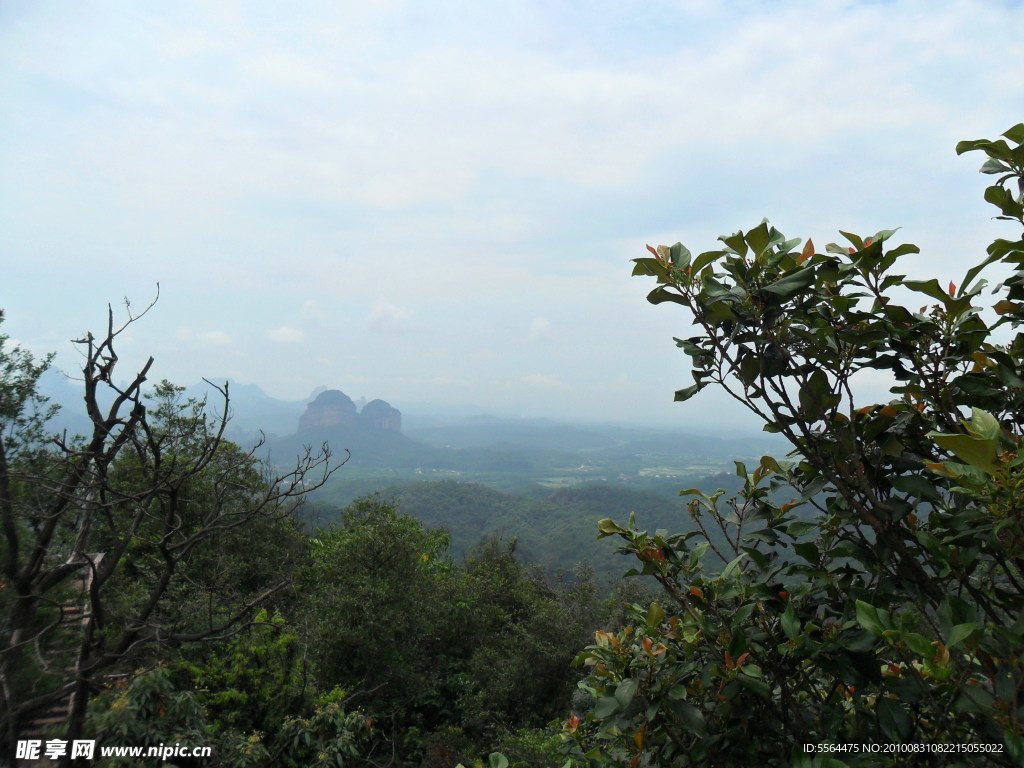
(807, 252)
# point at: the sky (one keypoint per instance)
(438, 203)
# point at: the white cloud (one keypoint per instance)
(286, 334)
(544, 380)
(385, 316)
(312, 313)
(215, 337)
(540, 328)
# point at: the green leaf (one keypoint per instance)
(859, 642)
(735, 242)
(626, 690)
(808, 550)
(704, 259)
(758, 238)
(975, 451)
(713, 289)
(959, 633)
(916, 486)
(689, 346)
(871, 618)
(993, 166)
(884, 234)
(893, 719)
(758, 687)
(742, 614)
(606, 706)
(816, 396)
(691, 717)
(1015, 134)
(749, 369)
(661, 294)
(1014, 745)
(790, 623)
(903, 250)
(919, 644)
(984, 424)
(1003, 199)
(997, 148)
(497, 760)
(679, 255)
(686, 393)
(929, 288)
(974, 271)
(733, 565)
(792, 283)
(858, 243)
(645, 267)
(800, 527)
(971, 145)
(654, 615)
(607, 527)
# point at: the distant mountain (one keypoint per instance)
(67, 393)
(251, 409)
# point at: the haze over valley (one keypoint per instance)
(543, 481)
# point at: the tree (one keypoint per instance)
(247, 700)
(444, 659)
(885, 602)
(103, 536)
(379, 603)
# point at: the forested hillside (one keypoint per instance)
(552, 529)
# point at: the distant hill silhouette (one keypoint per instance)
(372, 435)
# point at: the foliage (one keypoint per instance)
(896, 614)
(524, 636)
(123, 542)
(444, 658)
(148, 709)
(555, 531)
(531, 747)
(368, 582)
(252, 682)
(154, 709)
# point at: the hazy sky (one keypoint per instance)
(438, 201)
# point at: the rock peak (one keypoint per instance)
(333, 408)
